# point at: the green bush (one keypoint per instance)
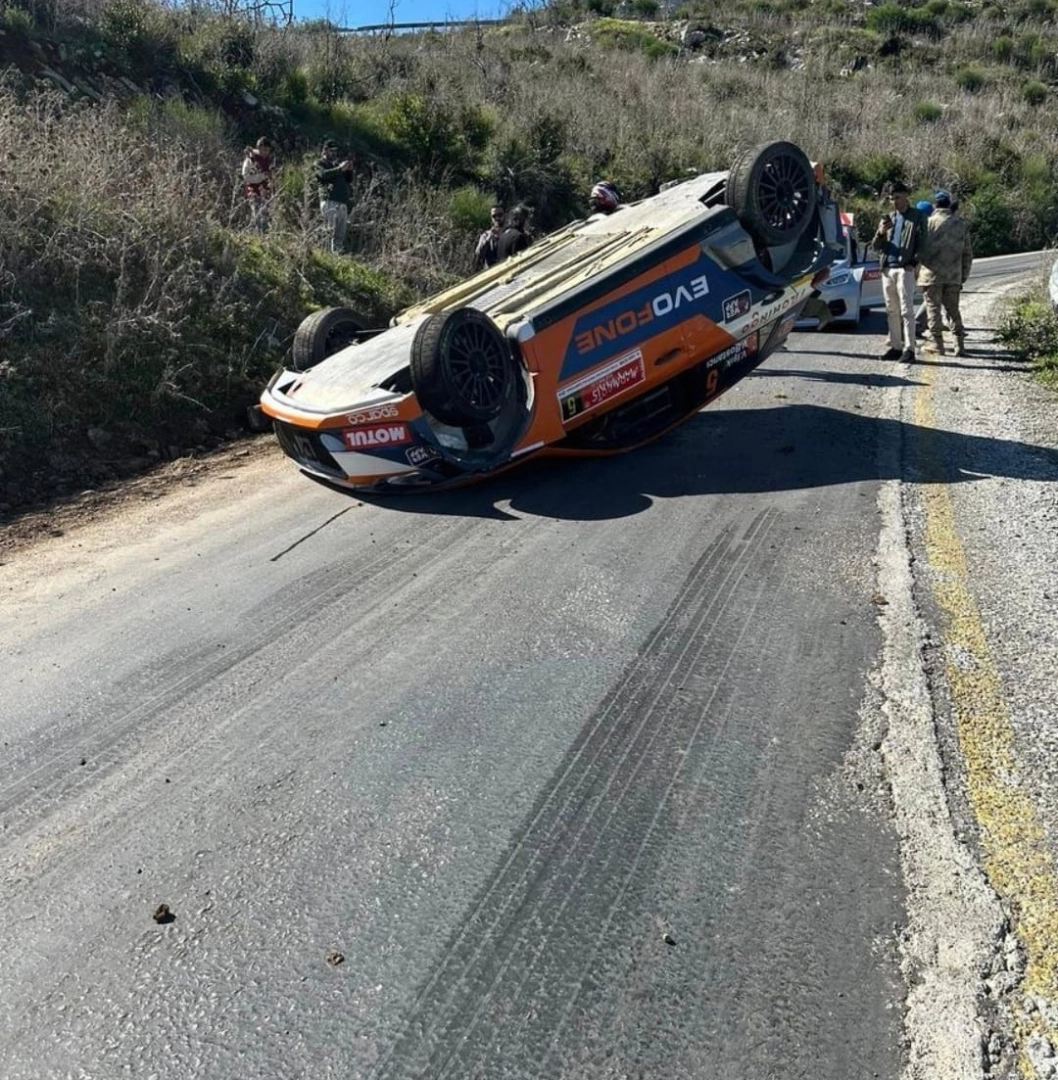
(1033, 92)
(630, 37)
(927, 112)
(970, 79)
(1030, 330)
(1003, 48)
(894, 19)
(125, 23)
(875, 170)
(294, 89)
(992, 223)
(468, 208)
(436, 140)
(646, 9)
(14, 18)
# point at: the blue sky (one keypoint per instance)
(369, 12)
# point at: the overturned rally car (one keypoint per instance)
(598, 338)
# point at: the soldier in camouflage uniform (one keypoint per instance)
(946, 263)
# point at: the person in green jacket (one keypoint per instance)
(899, 241)
(333, 179)
(946, 263)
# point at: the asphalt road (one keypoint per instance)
(576, 773)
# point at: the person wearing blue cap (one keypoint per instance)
(946, 260)
(921, 319)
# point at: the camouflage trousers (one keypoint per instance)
(946, 297)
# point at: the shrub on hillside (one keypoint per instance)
(992, 223)
(1033, 92)
(630, 37)
(1030, 330)
(970, 79)
(926, 112)
(896, 19)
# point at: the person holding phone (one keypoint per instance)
(334, 180)
(899, 240)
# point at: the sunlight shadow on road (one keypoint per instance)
(738, 451)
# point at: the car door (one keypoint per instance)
(865, 265)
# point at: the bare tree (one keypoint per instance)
(260, 11)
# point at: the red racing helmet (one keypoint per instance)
(604, 197)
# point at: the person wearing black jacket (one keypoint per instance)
(333, 180)
(899, 241)
(514, 238)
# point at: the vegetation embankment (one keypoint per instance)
(138, 314)
(1029, 329)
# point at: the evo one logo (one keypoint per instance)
(633, 318)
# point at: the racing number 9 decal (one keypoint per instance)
(712, 381)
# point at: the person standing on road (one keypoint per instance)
(514, 238)
(898, 240)
(333, 180)
(921, 322)
(946, 261)
(257, 178)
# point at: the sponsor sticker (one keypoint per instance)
(602, 384)
(629, 320)
(373, 438)
(738, 305)
(372, 415)
(734, 353)
(421, 455)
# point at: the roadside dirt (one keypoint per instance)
(171, 482)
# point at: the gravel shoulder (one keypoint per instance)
(980, 510)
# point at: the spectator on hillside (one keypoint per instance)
(604, 198)
(257, 180)
(899, 239)
(946, 261)
(514, 237)
(333, 180)
(487, 252)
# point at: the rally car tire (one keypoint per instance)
(324, 333)
(773, 190)
(462, 368)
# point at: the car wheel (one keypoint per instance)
(462, 368)
(773, 191)
(324, 333)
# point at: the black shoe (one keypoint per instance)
(890, 354)
(907, 357)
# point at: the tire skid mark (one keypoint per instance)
(593, 837)
(104, 740)
(626, 747)
(629, 873)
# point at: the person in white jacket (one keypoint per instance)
(257, 178)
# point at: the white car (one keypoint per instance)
(854, 284)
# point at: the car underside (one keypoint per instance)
(598, 338)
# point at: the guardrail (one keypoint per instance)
(443, 23)
(1054, 286)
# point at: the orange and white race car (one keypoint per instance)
(598, 338)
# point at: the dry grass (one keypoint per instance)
(130, 289)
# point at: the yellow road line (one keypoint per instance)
(1019, 867)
